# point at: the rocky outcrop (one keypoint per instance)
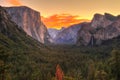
(101, 20)
(29, 20)
(109, 32)
(101, 28)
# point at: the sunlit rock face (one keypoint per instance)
(29, 20)
(9, 31)
(101, 28)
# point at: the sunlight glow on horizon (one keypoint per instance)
(62, 20)
(14, 2)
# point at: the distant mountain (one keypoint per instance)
(54, 32)
(29, 20)
(101, 28)
(67, 35)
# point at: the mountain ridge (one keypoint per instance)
(105, 27)
(102, 27)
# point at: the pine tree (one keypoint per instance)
(115, 64)
(4, 54)
(49, 76)
(91, 71)
(101, 75)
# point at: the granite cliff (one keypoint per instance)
(30, 21)
(101, 28)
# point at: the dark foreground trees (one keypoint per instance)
(4, 54)
(115, 64)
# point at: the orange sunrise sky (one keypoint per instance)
(62, 13)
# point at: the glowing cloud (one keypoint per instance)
(62, 20)
(14, 2)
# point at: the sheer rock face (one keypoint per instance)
(10, 33)
(84, 34)
(102, 27)
(29, 20)
(7, 27)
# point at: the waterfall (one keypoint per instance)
(92, 40)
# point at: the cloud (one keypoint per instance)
(14, 2)
(62, 20)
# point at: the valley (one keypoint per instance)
(27, 56)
